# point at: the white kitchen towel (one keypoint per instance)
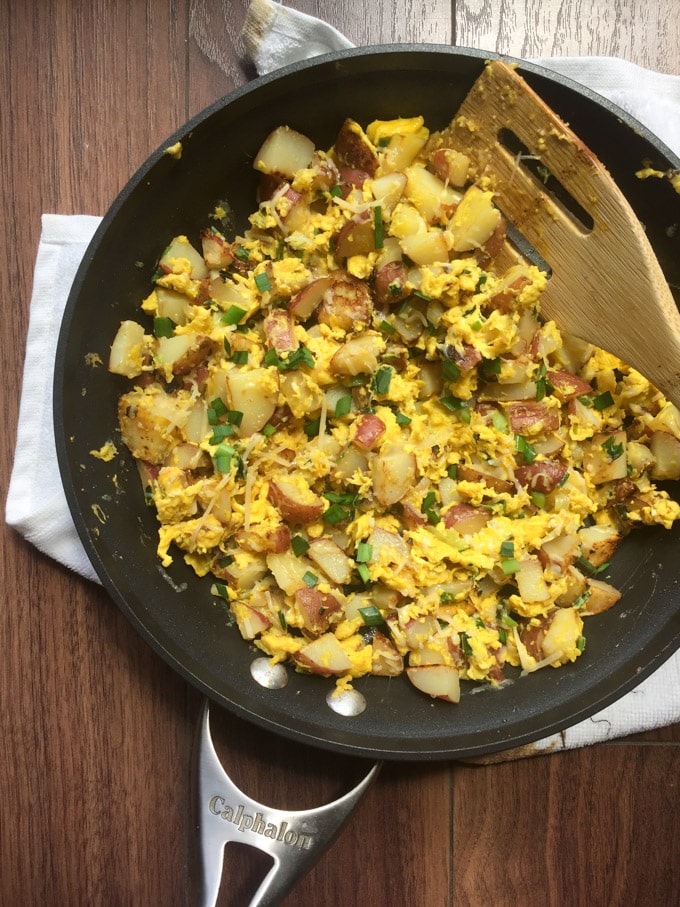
(275, 36)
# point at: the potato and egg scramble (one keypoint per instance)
(354, 420)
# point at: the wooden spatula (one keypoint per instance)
(606, 286)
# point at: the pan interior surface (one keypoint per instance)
(174, 610)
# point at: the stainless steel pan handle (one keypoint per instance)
(293, 839)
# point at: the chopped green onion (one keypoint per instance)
(223, 457)
(383, 379)
(221, 590)
(612, 448)
(240, 357)
(262, 282)
(310, 579)
(511, 565)
(291, 360)
(452, 471)
(483, 277)
(584, 564)
(371, 616)
(336, 513)
(234, 417)
(387, 327)
(268, 430)
(335, 192)
(538, 498)
(311, 429)
(283, 621)
(163, 327)
(523, 447)
(242, 254)
(220, 432)
(508, 548)
(581, 643)
(299, 545)
(580, 601)
(364, 552)
(447, 598)
(450, 370)
(491, 366)
(543, 384)
(233, 315)
(378, 227)
(343, 406)
(602, 401)
(465, 646)
(402, 419)
(364, 573)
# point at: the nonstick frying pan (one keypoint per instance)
(174, 610)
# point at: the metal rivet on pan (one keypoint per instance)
(348, 702)
(269, 676)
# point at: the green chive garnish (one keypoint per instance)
(163, 327)
(233, 315)
(262, 282)
(371, 616)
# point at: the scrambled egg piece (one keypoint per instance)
(367, 435)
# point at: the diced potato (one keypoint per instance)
(284, 152)
(665, 449)
(324, 656)
(436, 680)
(288, 570)
(599, 542)
(386, 660)
(330, 557)
(294, 499)
(563, 633)
(531, 582)
(317, 609)
(388, 190)
(601, 597)
(181, 248)
(604, 457)
(359, 355)
(426, 248)
(402, 151)
(127, 349)
(393, 473)
(354, 149)
(429, 194)
(171, 304)
(451, 166)
(254, 393)
(474, 220)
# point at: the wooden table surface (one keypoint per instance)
(96, 730)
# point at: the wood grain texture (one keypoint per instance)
(645, 33)
(95, 731)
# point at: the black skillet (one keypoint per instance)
(175, 611)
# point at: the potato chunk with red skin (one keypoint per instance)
(389, 283)
(346, 303)
(541, 475)
(353, 148)
(279, 331)
(295, 503)
(368, 430)
(568, 385)
(533, 417)
(466, 518)
(317, 609)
